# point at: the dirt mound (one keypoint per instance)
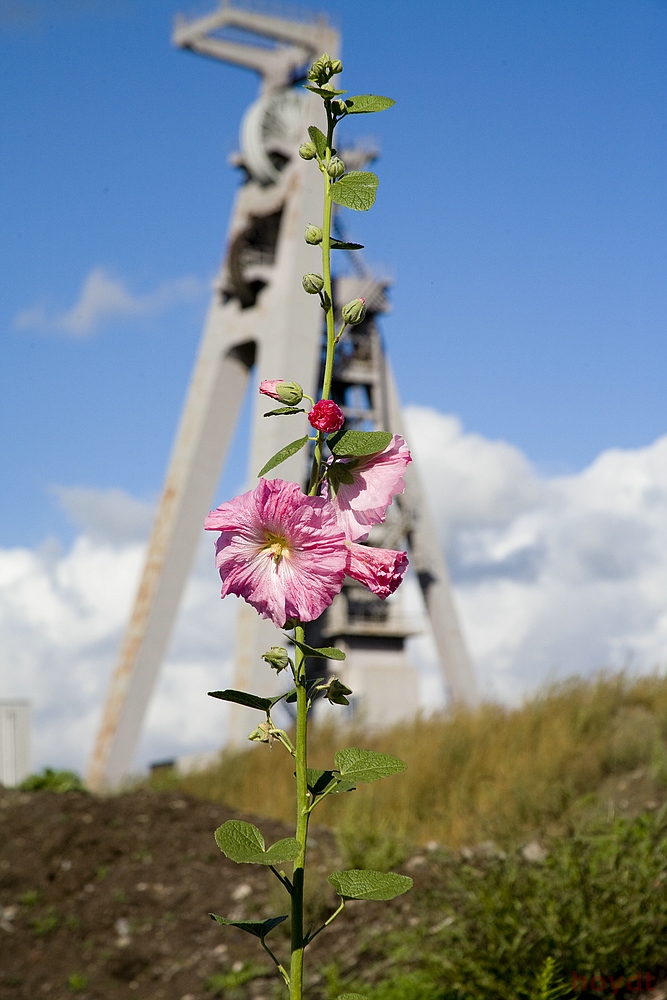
(104, 898)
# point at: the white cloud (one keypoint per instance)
(103, 298)
(62, 614)
(553, 576)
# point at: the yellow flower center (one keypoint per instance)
(277, 546)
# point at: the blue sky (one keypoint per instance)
(521, 213)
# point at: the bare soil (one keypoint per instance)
(107, 898)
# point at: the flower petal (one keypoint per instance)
(381, 570)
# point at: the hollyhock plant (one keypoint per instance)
(280, 550)
(375, 480)
(286, 552)
(326, 416)
(381, 570)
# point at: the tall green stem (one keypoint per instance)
(328, 298)
(302, 813)
(302, 816)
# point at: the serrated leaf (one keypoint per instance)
(259, 928)
(242, 842)
(341, 245)
(283, 409)
(345, 444)
(323, 652)
(239, 840)
(360, 884)
(319, 140)
(326, 94)
(356, 189)
(282, 455)
(367, 765)
(364, 104)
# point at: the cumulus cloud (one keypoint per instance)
(103, 298)
(62, 615)
(552, 576)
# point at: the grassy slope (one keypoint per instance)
(497, 774)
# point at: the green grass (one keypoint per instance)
(496, 773)
(582, 767)
(503, 928)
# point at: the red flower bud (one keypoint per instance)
(326, 416)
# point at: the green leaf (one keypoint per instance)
(242, 842)
(318, 781)
(326, 94)
(340, 245)
(355, 190)
(363, 104)
(367, 765)
(259, 928)
(247, 699)
(359, 884)
(280, 852)
(283, 409)
(358, 443)
(338, 472)
(319, 140)
(239, 840)
(283, 454)
(244, 698)
(324, 652)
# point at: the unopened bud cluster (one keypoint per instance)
(323, 69)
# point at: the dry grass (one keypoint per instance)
(472, 776)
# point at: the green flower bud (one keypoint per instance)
(313, 283)
(339, 107)
(335, 692)
(354, 312)
(321, 70)
(289, 393)
(336, 168)
(313, 235)
(307, 151)
(336, 67)
(262, 734)
(277, 658)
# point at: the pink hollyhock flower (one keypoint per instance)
(381, 570)
(280, 550)
(376, 479)
(327, 416)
